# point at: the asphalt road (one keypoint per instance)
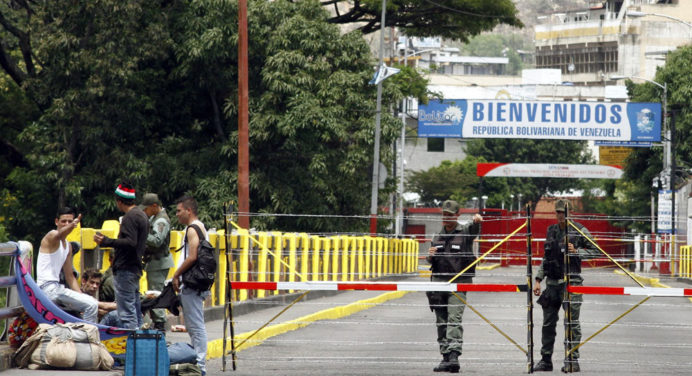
(398, 336)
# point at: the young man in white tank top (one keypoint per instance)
(54, 255)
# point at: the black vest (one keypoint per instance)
(555, 248)
(454, 253)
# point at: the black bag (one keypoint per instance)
(202, 274)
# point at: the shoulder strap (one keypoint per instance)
(184, 240)
(199, 232)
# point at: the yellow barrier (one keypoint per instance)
(276, 256)
(685, 267)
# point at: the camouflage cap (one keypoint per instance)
(150, 199)
(450, 206)
(561, 205)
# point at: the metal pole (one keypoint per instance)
(529, 290)
(400, 202)
(673, 248)
(378, 114)
(567, 298)
(243, 132)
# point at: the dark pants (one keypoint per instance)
(550, 317)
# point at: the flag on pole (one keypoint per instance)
(382, 73)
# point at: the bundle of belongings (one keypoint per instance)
(183, 360)
(64, 346)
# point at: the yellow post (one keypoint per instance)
(316, 243)
(221, 280)
(304, 255)
(292, 240)
(387, 259)
(345, 270)
(326, 244)
(350, 251)
(243, 261)
(278, 254)
(357, 246)
(364, 242)
(336, 256)
(263, 238)
(175, 244)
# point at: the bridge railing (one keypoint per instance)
(274, 257)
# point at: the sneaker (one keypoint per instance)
(543, 365)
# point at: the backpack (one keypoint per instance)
(202, 274)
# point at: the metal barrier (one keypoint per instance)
(685, 262)
(13, 307)
(275, 257)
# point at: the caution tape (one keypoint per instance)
(377, 286)
(444, 286)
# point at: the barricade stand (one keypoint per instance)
(474, 263)
(579, 289)
(529, 291)
(567, 298)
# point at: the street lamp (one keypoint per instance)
(376, 154)
(668, 150)
(638, 14)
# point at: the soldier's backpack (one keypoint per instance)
(201, 275)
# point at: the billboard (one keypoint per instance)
(469, 118)
(547, 170)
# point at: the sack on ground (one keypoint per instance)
(181, 352)
(72, 346)
(185, 369)
(202, 274)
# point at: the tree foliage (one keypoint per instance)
(630, 196)
(452, 19)
(533, 151)
(97, 91)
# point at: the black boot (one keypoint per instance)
(453, 362)
(546, 364)
(574, 367)
(444, 364)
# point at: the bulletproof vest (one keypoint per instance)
(163, 250)
(455, 252)
(555, 248)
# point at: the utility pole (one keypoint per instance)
(243, 132)
(378, 115)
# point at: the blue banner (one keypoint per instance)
(606, 121)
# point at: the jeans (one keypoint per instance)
(193, 309)
(72, 300)
(111, 319)
(129, 310)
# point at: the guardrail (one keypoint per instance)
(274, 257)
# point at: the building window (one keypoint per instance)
(436, 144)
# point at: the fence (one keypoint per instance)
(275, 257)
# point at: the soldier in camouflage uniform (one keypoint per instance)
(157, 255)
(553, 270)
(451, 252)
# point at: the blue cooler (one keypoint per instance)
(146, 354)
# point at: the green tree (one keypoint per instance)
(533, 151)
(456, 180)
(630, 197)
(451, 19)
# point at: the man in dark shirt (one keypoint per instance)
(127, 262)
